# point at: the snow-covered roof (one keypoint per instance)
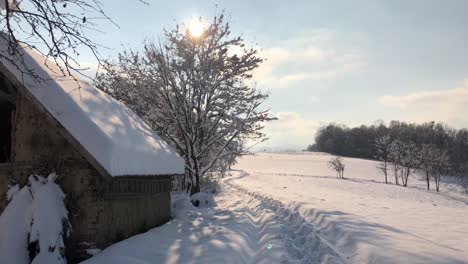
(110, 132)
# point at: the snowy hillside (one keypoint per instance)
(360, 216)
(290, 208)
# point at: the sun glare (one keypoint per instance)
(196, 27)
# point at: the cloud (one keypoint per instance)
(449, 105)
(290, 131)
(317, 56)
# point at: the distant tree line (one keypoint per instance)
(434, 148)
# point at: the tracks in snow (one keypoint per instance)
(302, 240)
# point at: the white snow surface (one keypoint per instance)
(291, 208)
(239, 229)
(362, 218)
(113, 134)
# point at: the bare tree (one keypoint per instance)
(440, 166)
(382, 145)
(395, 156)
(337, 164)
(427, 159)
(55, 28)
(434, 162)
(195, 91)
(404, 156)
(409, 161)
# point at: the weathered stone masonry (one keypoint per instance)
(102, 209)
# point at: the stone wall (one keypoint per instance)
(35, 138)
(122, 217)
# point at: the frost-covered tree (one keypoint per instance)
(434, 162)
(440, 166)
(404, 156)
(359, 141)
(395, 152)
(337, 164)
(382, 145)
(427, 159)
(195, 91)
(409, 161)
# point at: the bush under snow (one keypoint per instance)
(35, 212)
(202, 200)
(182, 203)
(15, 225)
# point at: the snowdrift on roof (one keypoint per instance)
(113, 134)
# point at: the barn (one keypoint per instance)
(115, 171)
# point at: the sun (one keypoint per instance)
(196, 27)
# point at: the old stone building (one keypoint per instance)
(115, 171)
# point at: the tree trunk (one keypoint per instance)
(196, 188)
(402, 175)
(385, 172)
(190, 184)
(395, 172)
(427, 179)
(437, 182)
(405, 173)
(188, 188)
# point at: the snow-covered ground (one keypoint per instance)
(363, 218)
(238, 229)
(290, 208)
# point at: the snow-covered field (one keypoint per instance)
(290, 208)
(363, 218)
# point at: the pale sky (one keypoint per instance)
(348, 61)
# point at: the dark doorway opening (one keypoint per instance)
(7, 112)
